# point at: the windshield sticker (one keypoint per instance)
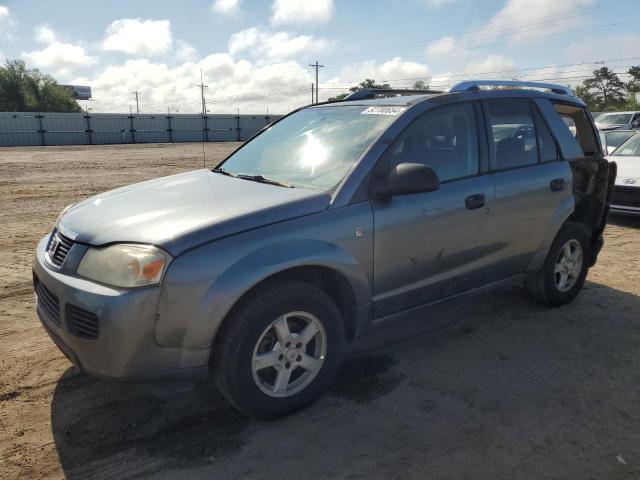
(383, 110)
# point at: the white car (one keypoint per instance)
(626, 193)
(616, 120)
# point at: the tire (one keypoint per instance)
(545, 286)
(255, 335)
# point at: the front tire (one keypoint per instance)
(565, 269)
(279, 350)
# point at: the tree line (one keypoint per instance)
(25, 89)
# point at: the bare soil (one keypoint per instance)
(492, 386)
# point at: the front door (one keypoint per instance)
(433, 245)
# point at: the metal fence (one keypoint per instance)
(33, 129)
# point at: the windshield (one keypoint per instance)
(614, 119)
(313, 148)
(630, 148)
(616, 138)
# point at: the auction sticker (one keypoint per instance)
(384, 110)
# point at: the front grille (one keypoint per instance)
(47, 303)
(58, 248)
(626, 196)
(82, 323)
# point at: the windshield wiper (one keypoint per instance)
(253, 178)
(224, 172)
(263, 179)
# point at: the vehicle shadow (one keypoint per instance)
(472, 375)
(624, 220)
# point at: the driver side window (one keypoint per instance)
(444, 139)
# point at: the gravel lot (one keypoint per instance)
(486, 387)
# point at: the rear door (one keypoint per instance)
(433, 245)
(533, 183)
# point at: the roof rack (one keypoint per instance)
(369, 93)
(476, 84)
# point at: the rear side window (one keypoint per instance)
(444, 139)
(514, 134)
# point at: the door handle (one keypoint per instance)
(556, 184)
(474, 202)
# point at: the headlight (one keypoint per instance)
(124, 265)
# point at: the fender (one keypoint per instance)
(202, 286)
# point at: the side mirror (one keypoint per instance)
(408, 178)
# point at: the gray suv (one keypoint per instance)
(337, 216)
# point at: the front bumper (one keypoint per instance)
(125, 346)
(625, 200)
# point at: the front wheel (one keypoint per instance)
(565, 269)
(279, 350)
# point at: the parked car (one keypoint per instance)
(616, 120)
(612, 139)
(336, 217)
(626, 192)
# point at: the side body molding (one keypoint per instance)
(201, 286)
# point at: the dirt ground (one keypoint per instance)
(491, 387)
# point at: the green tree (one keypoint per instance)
(29, 90)
(607, 90)
(633, 85)
(420, 85)
(367, 83)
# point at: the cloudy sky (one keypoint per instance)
(255, 54)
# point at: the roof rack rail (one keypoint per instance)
(476, 84)
(369, 93)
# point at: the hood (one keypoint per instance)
(185, 210)
(628, 171)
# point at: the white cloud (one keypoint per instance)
(492, 63)
(263, 43)
(44, 34)
(400, 73)
(227, 7)
(138, 37)
(185, 51)
(59, 56)
(523, 19)
(301, 11)
(7, 23)
(443, 47)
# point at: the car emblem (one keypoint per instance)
(629, 181)
(53, 246)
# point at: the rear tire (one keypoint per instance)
(565, 268)
(279, 350)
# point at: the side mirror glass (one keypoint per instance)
(408, 178)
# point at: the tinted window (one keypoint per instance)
(444, 139)
(514, 135)
(548, 147)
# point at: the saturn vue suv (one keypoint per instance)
(335, 217)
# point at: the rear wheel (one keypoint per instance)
(565, 269)
(280, 349)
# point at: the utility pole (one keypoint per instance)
(137, 106)
(312, 94)
(202, 87)
(317, 67)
